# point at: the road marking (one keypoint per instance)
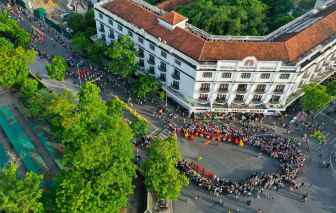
(326, 135)
(331, 163)
(327, 116)
(323, 132)
(333, 141)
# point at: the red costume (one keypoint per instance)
(236, 141)
(192, 137)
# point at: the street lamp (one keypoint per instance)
(80, 81)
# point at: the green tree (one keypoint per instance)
(145, 86)
(162, 96)
(90, 31)
(13, 63)
(159, 170)
(97, 52)
(81, 41)
(315, 96)
(57, 68)
(123, 57)
(40, 101)
(277, 7)
(90, 18)
(139, 127)
(20, 195)
(331, 88)
(29, 87)
(279, 20)
(77, 22)
(114, 107)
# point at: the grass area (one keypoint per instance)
(307, 4)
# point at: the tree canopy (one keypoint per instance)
(331, 88)
(29, 87)
(122, 55)
(139, 127)
(159, 170)
(236, 17)
(20, 195)
(315, 96)
(13, 63)
(86, 24)
(57, 68)
(145, 86)
(114, 107)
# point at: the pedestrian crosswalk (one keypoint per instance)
(329, 137)
(166, 133)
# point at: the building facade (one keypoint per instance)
(203, 72)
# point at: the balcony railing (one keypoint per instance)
(175, 87)
(141, 55)
(176, 77)
(162, 79)
(241, 90)
(274, 101)
(151, 62)
(151, 72)
(260, 91)
(204, 90)
(223, 90)
(140, 64)
(111, 36)
(238, 100)
(256, 99)
(202, 100)
(279, 91)
(101, 29)
(162, 69)
(220, 100)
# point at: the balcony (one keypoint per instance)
(101, 30)
(175, 87)
(141, 55)
(275, 101)
(241, 90)
(256, 101)
(162, 79)
(111, 36)
(176, 77)
(223, 90)
(305, 76)
(220, 101)
(260, 91)
(204, 90)
(151, 62)
(141, 65)
(103, 38)
(279, 91)
(162, 69)
(238, 100)
(151, 72)
(203, 100)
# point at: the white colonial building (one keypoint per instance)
(204, 72)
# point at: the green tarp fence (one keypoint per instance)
(42, 130)
(23, 145)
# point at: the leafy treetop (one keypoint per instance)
(315, 96)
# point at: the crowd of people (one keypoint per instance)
(285, 149)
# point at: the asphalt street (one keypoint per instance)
(228, 160)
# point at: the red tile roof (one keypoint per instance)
(173, 18)
(287, 48)
(172, 4)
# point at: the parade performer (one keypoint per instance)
(201, 135)
(175, 135)
(218, 137)
(236, 141)
(229, 139)
(208, 136)
(224, 138)
(241, 144)
(192, 137)
(197, 131)
(186, 135)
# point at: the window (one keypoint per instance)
(176, 84)
(242, 87)
(163, 66)
(246, 75)
(223, 87)
(141, 62)
(205, 87)
(130, 34)
(279, 88)
(239, 98)
(284, 76)
(120, 28)
(101, 27)
(275, 98)
(265, 76)
(257, 98)
(176, 74)
(140, 40)
(226, 75)
(101, 16)
(177, 62)
(152, 69)
(111, 35)
(261, 88)
(207, 74)
(103, 37)
(203, 97)
(141, 52)
(110, 21)
(151, 59)
(151, 46)
(163, 76)
(220, 98)
(163, 54)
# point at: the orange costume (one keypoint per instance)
(229, 139)
(224, 138)
(208, 136)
